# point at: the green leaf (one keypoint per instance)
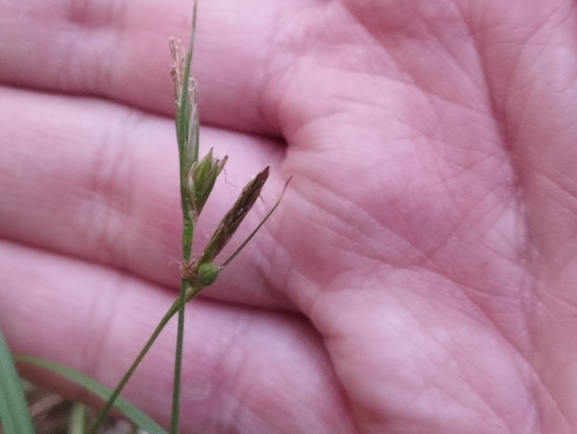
(14, 412)
(130, 411)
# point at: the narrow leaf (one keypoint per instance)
(130, 411)
(14, 412)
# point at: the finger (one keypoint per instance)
(252, 370)
(99, 181)
(119, 50)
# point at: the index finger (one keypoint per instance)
(118, 50)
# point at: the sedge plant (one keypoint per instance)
(197, 179)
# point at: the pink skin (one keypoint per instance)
(420, 274)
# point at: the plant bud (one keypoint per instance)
(201, 179)
(207, 273)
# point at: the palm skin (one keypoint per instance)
(417, 277)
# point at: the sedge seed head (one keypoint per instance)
(201, 179)
(233, 218)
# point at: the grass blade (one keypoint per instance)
(14, 413)
(77, 421)
(130, 411)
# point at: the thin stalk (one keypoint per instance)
(116, 393)
(188, 150)
(77, 420)
(190, 293)
(175, 412)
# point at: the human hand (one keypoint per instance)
(416, 277)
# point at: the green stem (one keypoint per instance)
(190, 293)
(187, 124)
(116, 393)
(175, 413)
(77, 419)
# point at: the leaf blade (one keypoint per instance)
(14, 412)
(129, 410)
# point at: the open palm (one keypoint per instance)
(419, 276)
